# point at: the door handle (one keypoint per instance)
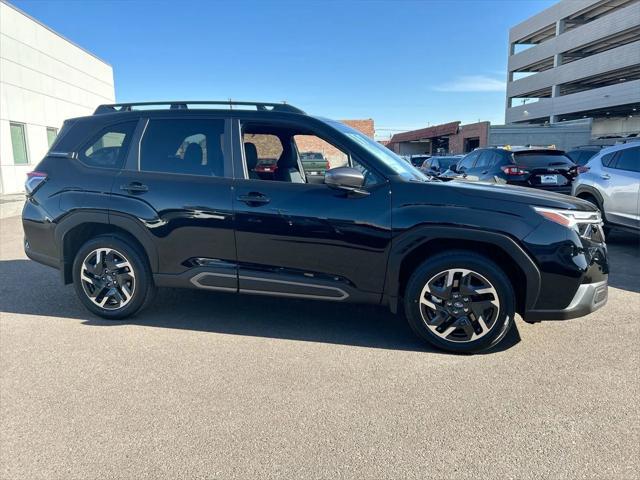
(605, 176)
(254, 199)
(485, 172)
(134, 187)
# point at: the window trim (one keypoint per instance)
(26, 143)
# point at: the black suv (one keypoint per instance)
(134, 198)
(543, 168)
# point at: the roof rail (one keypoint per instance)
(184, 105)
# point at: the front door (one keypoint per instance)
(179, 191)
(304, 239)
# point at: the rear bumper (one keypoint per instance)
(588, 298)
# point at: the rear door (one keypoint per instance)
(177, 187)
(622, 183)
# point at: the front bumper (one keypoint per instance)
(588, 298)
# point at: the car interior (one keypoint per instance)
(264, 142)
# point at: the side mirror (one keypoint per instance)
(345, 178)
(454, 168)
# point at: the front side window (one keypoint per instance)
(19, 143)
(52, 133)
(629, 159)
(109, 147)
(190, 146)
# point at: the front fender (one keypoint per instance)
(418, 236)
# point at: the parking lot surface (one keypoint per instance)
(205, 385)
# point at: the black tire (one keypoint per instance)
(460, 259)
(144, 288)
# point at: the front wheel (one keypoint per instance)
(112, 278)
(460, 301)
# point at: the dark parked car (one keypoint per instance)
(581, 155)
(542, 168)
(418, 160)
(130, 199)
(435, 166)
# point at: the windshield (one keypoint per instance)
(382, 153)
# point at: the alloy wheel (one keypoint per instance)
(459, 305)
(108, 279)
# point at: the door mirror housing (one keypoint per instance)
(345, 178)
(454, 168)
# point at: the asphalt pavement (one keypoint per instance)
(217, 386)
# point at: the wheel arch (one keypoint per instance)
(421, 243)
(78, 228)
(584, 190)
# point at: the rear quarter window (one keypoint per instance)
(109, 147)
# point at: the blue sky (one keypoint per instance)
(405, 64)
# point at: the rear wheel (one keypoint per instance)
(112, 278)
(460, 301)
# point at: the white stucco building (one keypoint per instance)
(44, 79)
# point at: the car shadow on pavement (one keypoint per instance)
(624, 260)
(269, 317)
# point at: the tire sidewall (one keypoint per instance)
(142, 276)
(469, 261)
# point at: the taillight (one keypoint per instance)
(34, 181)
(512, 170)
(327, 167)
(582, 169)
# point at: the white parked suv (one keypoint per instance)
(611, 180)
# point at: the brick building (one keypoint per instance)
(448, 138)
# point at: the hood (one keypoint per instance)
(513, 193)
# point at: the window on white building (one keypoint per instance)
(52, 133)
(19, 143)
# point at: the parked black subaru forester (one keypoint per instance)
(135, 197)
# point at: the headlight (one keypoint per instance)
(587, 224)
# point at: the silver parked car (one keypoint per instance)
(611, 180)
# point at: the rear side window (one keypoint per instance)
(629, 159)
(468, 161)
(487, 158)
(538, 160)
(190, 146)
(109, 147)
